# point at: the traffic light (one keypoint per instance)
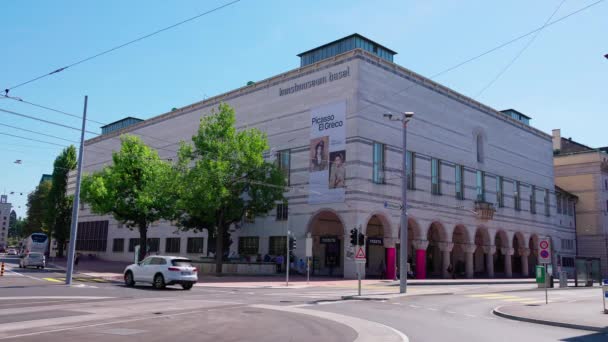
(292, 243)
(353, 236)
(361, 239)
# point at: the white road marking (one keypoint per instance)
(51, 297)
(450, 312)
(469, 315)
(366, 330)
(414, 306)
(432, 309)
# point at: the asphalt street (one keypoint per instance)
(35, 305)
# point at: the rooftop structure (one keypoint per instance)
(354, 41)
(120, 124)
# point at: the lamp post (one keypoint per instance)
(404, 118)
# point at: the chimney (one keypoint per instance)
(557, 139)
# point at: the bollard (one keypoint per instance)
(2, 270)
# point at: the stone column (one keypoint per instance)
(420, 246)
(469, 250)
(490, 250)
(525, 253)
(446, 249)
(508, 253)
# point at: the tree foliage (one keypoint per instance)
(37, 209)
(59, 215)
(136, 189)
(222, 174)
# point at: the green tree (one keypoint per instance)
(15, 227)
(222, 175)
(59, 215)
(37, 209)
(136, 189)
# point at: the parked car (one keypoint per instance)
(32, 260)
(161, 271)
(12, 251)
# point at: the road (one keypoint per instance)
(35, 305)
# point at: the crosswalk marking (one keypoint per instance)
(80, 279)
(53, 280)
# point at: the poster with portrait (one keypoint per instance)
(327, 151)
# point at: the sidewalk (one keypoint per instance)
(585, 314)
(97, 268)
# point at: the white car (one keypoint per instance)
(161, 271)
(32, 259)
(12, 251)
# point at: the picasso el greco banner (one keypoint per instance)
(327, 153)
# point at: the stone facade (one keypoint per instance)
(448, 126)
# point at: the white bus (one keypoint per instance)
(37, 242)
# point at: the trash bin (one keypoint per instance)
(563, 279)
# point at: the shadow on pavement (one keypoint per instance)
(594, 337)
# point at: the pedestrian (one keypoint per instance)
(279, 261)
(76, 260)
(451, 271)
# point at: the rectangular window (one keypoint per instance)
(558, 200)
(284, 163)
(565, 205)
(500, 192)
(282, 212)
(132, 243)
(410, 168)
(248, 245)
(567, 262)
(153, 245)
(547, 204)
(570, 207)
(195, 245)
(276, 245)
(118, 245)
(435, 176)
(172, 245)
(532, 199)
(481, 186)
(92, 236)
(459, 183)
(516, 197)
(378, 160)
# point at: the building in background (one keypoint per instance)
(5, 214)
(481, 187)
(583, 171)
(46, 177)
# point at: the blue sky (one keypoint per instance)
(560, 80)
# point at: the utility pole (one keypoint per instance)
(75, 206)
(404, 118)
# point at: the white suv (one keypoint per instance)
(161, 271)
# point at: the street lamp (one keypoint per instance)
(404, 117)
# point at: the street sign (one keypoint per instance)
(544, 251)
(393, 205)
(360, 254)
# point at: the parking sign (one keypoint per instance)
(544, 251)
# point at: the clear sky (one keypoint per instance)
(560, 80)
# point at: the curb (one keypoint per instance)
(392, 296)
(496, 311)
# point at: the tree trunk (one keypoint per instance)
(60, 246)
(219, 243)
(143, 241)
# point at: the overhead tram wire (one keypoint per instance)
(40, 133)
(498, 47)
(91, 120)
(122, 45)
(433, 76)
(521, 51)
(31, 139)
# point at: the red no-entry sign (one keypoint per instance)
(544, 251)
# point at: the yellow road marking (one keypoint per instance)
(518, 299)
(53, 280)
(484, 295)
